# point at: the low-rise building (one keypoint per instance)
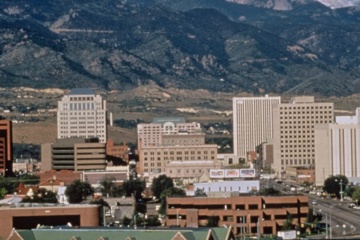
(225, 187)
(77, 154)
(26, 217)
(245, 213)
(300, 175)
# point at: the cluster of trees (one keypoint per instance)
(339, 186)
(8, 185)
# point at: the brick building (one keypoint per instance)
(244, 213)
(31, 217)
(6, 158)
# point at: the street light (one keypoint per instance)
(326, 226)
(258, 228)
(341, 188)
(331, 207)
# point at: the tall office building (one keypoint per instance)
(6, 150)
(294, 131)
(252, 122)
(338, 148)
(82, 113)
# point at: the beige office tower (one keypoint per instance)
(294, 131)
(252, 122)
(82, 113)
(338, 148)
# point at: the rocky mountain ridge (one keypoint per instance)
(117, 45)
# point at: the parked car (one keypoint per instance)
(314, 202)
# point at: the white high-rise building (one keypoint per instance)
(82, 113)
(252, 122)
(338, 148)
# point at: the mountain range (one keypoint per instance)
(225, 46)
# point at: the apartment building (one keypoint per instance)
(252, 122)
(81, 113)
(338, 148)
(77, 154)
(294, 131)
(244, 213)
(6, 148)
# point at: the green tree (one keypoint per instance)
(107, 186)
(200, 192)
(2, 193)
(29, 179)
(356, 195)
(41, 196)
(170, 192)
(78, 191)
(313, 217)
(125, 221)
(160, 184)
(152, 221)
(134, 188)
(9, 183)
(333, 184)
(288, 223)
(213, 221)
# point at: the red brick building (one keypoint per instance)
(244, 213)
(6, 158)
(30, 217)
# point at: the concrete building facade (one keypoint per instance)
(337, 151)
(151, 134)
(82, 113)
(77, 154)
(167, 141)
(252, 122)
(155, 159)
(245, 213)
(6, 148)
(294, 131)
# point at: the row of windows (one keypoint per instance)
(299, 131)
(297, 141)
(302, 117)
(303, 113)
(298, 161)
(179, 158)
(81, 98)
(304, 122)
(298, 155)
(298, 150)
(303, 107)
(297, 127)
(297, 136)
(179, 152)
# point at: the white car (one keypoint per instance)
(313, 202)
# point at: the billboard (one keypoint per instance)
(232, 173)
(216, 173)
(247, 173)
